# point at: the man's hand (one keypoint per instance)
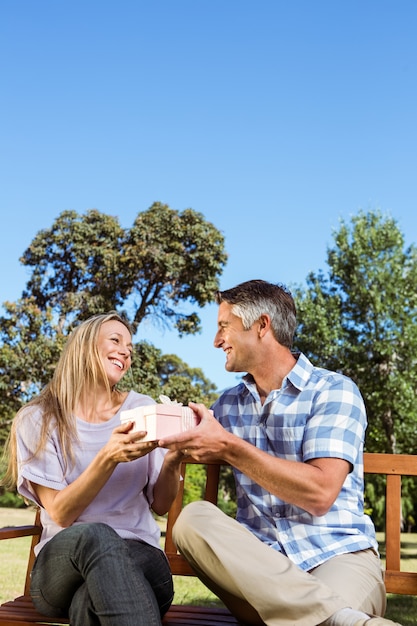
(206, 442)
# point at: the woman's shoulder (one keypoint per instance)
(29, 415)
(134, 399)
(29, 424)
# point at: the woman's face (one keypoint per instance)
(115, 348)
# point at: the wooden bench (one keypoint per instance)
(393, 466)
(20, 612)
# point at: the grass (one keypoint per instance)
(403, 609)
(14, 554)
(188, 590)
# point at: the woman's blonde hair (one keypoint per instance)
(79, 368)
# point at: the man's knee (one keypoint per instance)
(194, 516)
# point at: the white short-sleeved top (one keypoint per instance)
(124, 501)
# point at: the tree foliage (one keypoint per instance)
(155, 373)
(165, 267)
(360, 319)
(87, 264)
(30, 345)
(170, 258)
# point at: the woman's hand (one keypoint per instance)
(66, 506)
(125, 445)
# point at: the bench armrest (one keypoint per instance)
(12, 532)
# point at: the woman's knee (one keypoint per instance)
(93, 536)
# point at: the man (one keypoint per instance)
(301, 551)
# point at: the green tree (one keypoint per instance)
(155, 373)
(170, 258)
(165, 267)
(361, 319)
(85, 264)
(30, 345)
(76, 266)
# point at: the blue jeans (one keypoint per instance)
(89, 574)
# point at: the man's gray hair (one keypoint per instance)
(253, 298)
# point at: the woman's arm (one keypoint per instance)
(167, 484)
(66, 505)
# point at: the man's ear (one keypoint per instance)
(264, 324)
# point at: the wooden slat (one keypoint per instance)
(393, 522)
(377, 463)
(22, 612)
(13, 532)
(195, 616)
(212, 483)
(173, 514)
(179, 565)
(394, 466)
(403, 583)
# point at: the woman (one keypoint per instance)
(98, 560)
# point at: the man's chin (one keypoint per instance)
(229, 367)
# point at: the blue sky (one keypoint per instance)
(274, 119)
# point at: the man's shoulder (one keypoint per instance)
(312, 373)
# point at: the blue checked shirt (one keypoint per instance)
(315, 414)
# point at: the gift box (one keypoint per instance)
(160, 420)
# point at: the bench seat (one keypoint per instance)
(21, 612)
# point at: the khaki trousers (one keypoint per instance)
(262, 586)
